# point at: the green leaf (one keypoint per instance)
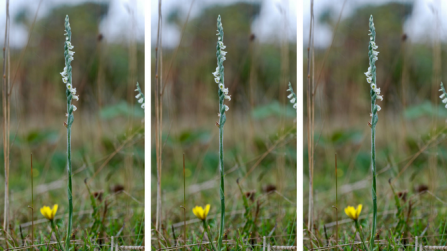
(273, 109)
(425, 109)
(211, 223)
(121, 109)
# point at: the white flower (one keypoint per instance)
(444, 101)
(69, 86)
(216, 74)
(369, 80)
(69, 45)
(378, 108)
(142, 106)
(71, 53)
(76, 97)
(222, 46)
(64, 73)
(74, 108)
(65, 80)
(290, 96)
(373, 45)
(442, 95)
(221, 86)
(375, 53)
(292, 100)
(294, 106)
(225, 91)
(72, 90)
(217, 80)
(228, 97)
(226, 108)
(141, 100)
(373, 86)
(380, 97)
(223, 53)
(138, 95)
(377, 91)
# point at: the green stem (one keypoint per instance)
(373, 169)
(69, 187)
(68, 125)
(221, 166)
(205, 226)
(53, 226)
(357, 226)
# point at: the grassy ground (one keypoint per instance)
(259, 136)
(107, 136)
(410, 138)
(260, 165)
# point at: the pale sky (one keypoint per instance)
(266, 26)
(420, 27)
(114, 26)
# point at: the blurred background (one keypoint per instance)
(108, 129)
(260, 131)
(410, 142)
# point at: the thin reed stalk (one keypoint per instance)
(6, 116)
(158, 116)
(310, 124)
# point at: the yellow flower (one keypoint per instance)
(352, 212)
(200, 212)
(49, 213)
